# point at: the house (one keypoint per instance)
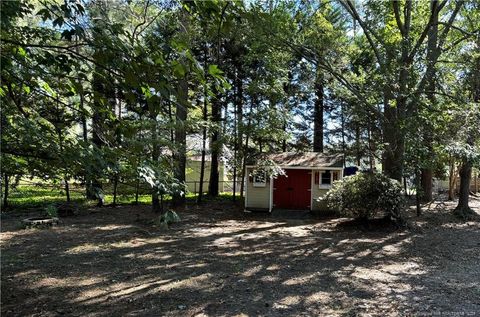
(308, 176)
(192, 174)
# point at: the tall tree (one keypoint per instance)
(432, 39)
(181, 114)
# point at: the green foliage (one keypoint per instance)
(34, 197)
(90, 91)
(464, 143)
(51, 211)
(24, 197)
(268, 168)
(364, 195)
(161, 179)
(169, 217)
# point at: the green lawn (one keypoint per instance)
(31, 196)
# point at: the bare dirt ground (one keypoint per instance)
(221, 262)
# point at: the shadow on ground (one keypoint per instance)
(220, 262)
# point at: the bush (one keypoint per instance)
(51, 211)
(170, 217)
(363, 195)
(167, 219)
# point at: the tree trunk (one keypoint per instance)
(156, 206)
(235, 143)
(318, 113)
(137, 188)
(5, 194)
(427, 184)
(98, 119)
(245, 151)
(115, 186)
(464, 193)
(204, 129)
(204, 145)
(103, 87)
(170, 117)
(67, 190)
(427, 172)
(371, 157)
(394, 139)
(344, 144)
(452, 179)
(358, 145)
(463, 208)
(178, 199)
(394, 136)
(417, 193)
(240, 128)
(215, 146)
(88, 181)
(288, 91)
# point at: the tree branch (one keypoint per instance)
(69, 49)
(449, 24)
(42, 45)
(424, 33)
(141, 23)
(349, 6)
(396, 11)
(423, 82)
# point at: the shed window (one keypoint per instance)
(259, 179)
(327, 178)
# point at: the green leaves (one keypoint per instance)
(44, 13)
(26, 89)
(47, 88)
(364, 195)
(21, 51)
(215, 72)
(179, 70)
(161, 179)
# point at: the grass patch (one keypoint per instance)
(27, 196)
(38, 197)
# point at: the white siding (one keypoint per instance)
(257, 197)
(318, 192)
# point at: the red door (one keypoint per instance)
(292, 191)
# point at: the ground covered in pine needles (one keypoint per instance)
(219, 261)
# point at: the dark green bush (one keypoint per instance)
(364, 195)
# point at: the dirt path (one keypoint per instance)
(223, 263)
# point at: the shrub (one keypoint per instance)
(167, 219)
(170, 217)
(51, 211)
(363, 195)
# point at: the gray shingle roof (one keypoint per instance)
(306, 159)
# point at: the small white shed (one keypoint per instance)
(308, 176)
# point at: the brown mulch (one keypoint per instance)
(219, 261)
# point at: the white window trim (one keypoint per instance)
(327, 186)
(260, 184)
